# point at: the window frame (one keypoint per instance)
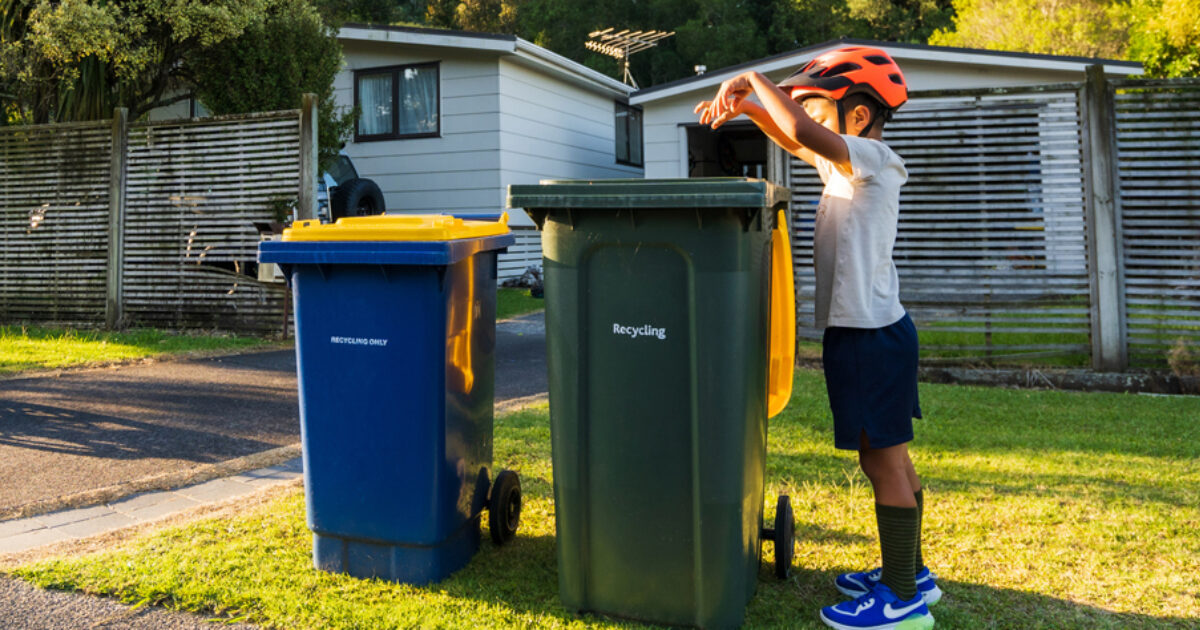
(618, 107)
(396, 72)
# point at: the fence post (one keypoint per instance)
(306, 200)
(114, 308)
(1102, 212)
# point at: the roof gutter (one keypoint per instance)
(571, 71)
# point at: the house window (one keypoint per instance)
(629, 135)
(397, 102)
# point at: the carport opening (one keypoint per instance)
(737, 149)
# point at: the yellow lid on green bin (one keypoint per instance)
(396, 227)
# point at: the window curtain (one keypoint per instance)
(375, 98)
(419, 100)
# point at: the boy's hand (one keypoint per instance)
(728, 103)
(708, 115)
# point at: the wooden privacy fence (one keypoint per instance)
(1158, 141)
(147, 223)
(1059, 223)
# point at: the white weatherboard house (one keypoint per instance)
(676, 146)
(448, 120)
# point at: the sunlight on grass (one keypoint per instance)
(1044, 510)
(31, 348)
(513, 302)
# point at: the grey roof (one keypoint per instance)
(878, 44)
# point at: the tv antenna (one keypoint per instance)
(622, 44)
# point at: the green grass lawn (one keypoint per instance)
(513, 302)
(1045, 509)
(32, 348)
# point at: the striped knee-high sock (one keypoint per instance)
(897, 542)
(920, 496)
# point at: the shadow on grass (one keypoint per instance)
(523, 577)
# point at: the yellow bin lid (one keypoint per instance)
(396, 227)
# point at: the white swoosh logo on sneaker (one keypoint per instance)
(894, 613)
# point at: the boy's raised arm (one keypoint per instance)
(760, 118)
(783, 120)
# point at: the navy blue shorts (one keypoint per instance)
(871, 376)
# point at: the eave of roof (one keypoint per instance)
(900, 51)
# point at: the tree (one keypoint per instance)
(441, 13)
(722, 33)
(911, 21)
(1089, 28)
(487, 16)
(370, 11)
(66, 60)
(271, 65)
(1165, 37)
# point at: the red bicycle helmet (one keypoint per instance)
(845, 71)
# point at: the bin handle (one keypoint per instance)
(782, 357)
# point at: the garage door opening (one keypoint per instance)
(735, 150)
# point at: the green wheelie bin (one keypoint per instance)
(666, 353)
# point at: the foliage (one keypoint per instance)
(1044, 509)
(911, 21)
(369, 11)
(271, 65)
(1090, 28)
(441, 13)
(78, 59)
(713, 33)
(1184, 359)
(1165, 37)
(488, 16)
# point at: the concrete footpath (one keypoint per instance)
(91, 455)
(23, 534)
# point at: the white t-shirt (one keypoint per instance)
(857, 285)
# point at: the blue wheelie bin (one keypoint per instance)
(395, 334)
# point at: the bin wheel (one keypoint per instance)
(785, 537)
(504, 507)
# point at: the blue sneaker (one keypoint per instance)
(879, 609)
(859, 584)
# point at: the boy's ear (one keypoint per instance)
(859, 119)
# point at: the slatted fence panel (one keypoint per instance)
(991, 244)
(54, 223)
(196, 188)
(1158, 146)
(525, 253)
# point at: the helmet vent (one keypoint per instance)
(878, 60)
(897, 79)
(841, 68)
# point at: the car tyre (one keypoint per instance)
(356, 198)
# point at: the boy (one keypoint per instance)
(831, 114)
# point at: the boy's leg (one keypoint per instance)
(896, 514)
(891, 473)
